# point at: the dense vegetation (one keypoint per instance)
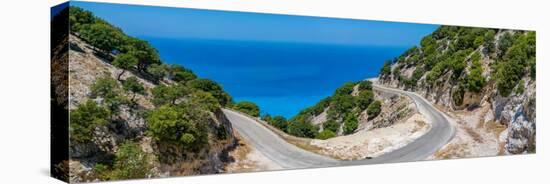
(342, 109)
(247, 107)
(457, 53)
(183, 103)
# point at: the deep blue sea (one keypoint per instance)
(282, 78)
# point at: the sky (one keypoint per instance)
(283, 63)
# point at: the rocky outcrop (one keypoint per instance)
(84, 68)
(517, 110)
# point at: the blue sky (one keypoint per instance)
(283, 63)
(151, 21)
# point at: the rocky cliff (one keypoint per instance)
(464, 69)
(85, 68)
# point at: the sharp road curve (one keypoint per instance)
(289, 156)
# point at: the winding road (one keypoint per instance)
(291, 157)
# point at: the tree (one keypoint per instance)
(158, 71)
(248, 107)
(331, 125)
(79, 17)
(205, 100)
(475, 80)
(85, 118)
(386, 69)
(350, 123)
(102, 36)
(131, 84)
(364, 99)
(325, 134)
(125, 62)
(345, 89)
(365, 85)
(142, 51)
(212, 87)
(302, 129)
(181, 74)
(182, 125)
(279, 122)
(340, 105)
(130, 162)
(108, 89)
(163, 94)
(374, 109)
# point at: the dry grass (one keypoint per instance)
(452, 151)
(474, 134)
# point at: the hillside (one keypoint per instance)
(485, 78)
(126, 106)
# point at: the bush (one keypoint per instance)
(125, 62)
(102, 36)
(345, 89)
(248, 107)
(158, 71)
(181, 74)
(350, 124)
(325, 134)
(458, 96)
(131, 84)
(374, 109)
(205, 100)
(183, 125)
(108, 89)
(365, 85)
(130, 162)
(331, 125)
(340, 105)
(364, 99)
(302, 129)
(212, 87)
(163, 94)
(279, 122)
(142, 50)
(475, 80)
(85, 118)
(520, 88)
(386, 69)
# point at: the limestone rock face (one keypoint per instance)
(517, 111)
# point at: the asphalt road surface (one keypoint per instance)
(291, 157)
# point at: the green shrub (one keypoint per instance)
(109, 90)
(302, 129)
(364, 99)
(340, 105)
(386, 69)
(183, 125)
(325, 134)
(163, 94)
(374, 109)
(248, 107)
(350, 124)
(158, 71)
(131, 84)
(520, 88)
(205, 100)
(365, 85)
(331, 125)
(102, 172)
(212, 87)
(279, 122)
(142, 51)
(345, 89)
(181, 74)
(102, 36)
(85, 118)
(125, 62)
(458, 96)
(130, 162)
(475, 80)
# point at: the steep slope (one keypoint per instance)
(487, 75)
(131, 124)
